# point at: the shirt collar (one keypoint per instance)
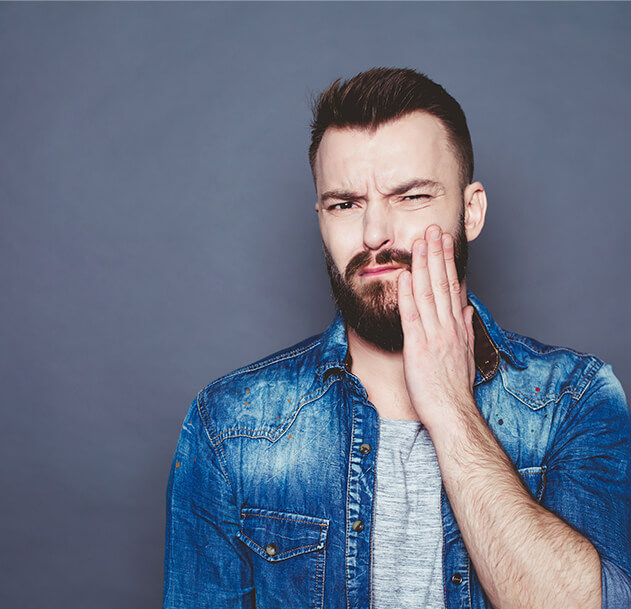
(490, 342)
(333, 348)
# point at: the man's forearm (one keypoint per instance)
(524, 556)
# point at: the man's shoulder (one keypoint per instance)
(530, 350)
(265, 393)
(547, 373)
(537, 373)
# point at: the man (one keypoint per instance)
(414, 454)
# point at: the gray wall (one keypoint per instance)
(157, 230)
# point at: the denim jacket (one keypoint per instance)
(270, 497)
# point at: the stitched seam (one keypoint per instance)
(323, 573)
(525, 398)
(317, 577)
(442, 525)
(224, 468)
(374, 509)
(348, 536)
(469, 580)
(282, 553)
(253, 514)
(592, 368)
(221, 456)
(267, 433)
(315, 591)
(542, 483)
(549, 348)
(588, 376)
(555, 397)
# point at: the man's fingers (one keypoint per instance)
(410, 318)
(452, 276)
(422, 286)
(438, 274)
(467, 314)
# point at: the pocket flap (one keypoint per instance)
(279, 535)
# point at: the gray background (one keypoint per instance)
(157, 230)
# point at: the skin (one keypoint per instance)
(524, 555)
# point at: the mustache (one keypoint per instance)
(363, 259)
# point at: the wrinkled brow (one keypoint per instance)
(347, 195)
(416, 183)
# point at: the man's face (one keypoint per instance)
(377, 193)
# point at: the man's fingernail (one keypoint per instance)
(434, 234)
(447, 240)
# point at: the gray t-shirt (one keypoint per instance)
(407, 542)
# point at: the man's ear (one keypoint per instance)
(474, 209)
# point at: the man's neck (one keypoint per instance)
(381, 373)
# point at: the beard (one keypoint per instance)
(372, 310)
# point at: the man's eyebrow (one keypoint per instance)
(346, 195)
(416, 183)
(341, 195)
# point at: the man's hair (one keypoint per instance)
(381, 95)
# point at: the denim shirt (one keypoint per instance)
(270, 497)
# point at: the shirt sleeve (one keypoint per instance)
(206, 566)
(588, 480)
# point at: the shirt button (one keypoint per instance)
(271, 549)
(358, 526)
(456, 579)
(364, 449)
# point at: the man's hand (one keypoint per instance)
(524, 556)
(438, 332)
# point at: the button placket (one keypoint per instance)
(361, 484)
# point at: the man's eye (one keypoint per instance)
(415, 197)
(343, 205)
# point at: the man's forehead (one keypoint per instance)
(415, 146)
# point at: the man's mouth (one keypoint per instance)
(366, 266)
(374, 271)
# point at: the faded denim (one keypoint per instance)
(270, 498)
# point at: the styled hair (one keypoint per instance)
(381, 95)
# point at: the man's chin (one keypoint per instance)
(374, 316)
(382, 331)
(369, 306)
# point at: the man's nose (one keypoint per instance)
(378, 230)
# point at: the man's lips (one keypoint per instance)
(373, 271)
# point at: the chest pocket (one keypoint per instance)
(288, 557)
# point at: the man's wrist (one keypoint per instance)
(453, 420)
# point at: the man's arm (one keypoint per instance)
(524, 555)
(205, 564)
